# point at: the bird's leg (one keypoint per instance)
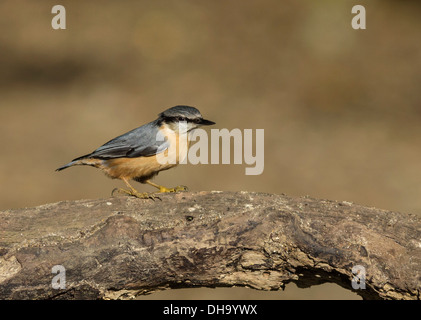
(133, 192)
(164, 189)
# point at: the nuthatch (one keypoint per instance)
(133, 155)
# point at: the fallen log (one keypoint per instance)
(122, 247)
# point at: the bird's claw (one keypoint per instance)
(134, 193)
(175, 189)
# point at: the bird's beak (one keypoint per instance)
(204, 122)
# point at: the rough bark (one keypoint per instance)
(122, 247)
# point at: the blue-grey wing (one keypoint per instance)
(144, 141)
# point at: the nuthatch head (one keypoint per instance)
(181, 118)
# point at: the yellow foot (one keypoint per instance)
(175, 189)
(134, 193)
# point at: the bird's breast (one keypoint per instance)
(130, 168)
(178, 146)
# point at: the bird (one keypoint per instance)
(137, 154)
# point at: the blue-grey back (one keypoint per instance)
(139, 142)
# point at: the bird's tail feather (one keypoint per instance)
(70, 164)
(75, 162)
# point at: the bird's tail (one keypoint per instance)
(75, 162)
(70, 164)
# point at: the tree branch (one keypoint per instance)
(122, 247)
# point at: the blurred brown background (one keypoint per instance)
(341, 108)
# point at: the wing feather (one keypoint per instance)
(144, 141)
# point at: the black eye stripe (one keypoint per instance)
(181, 118)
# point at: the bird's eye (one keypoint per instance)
(197, 120)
